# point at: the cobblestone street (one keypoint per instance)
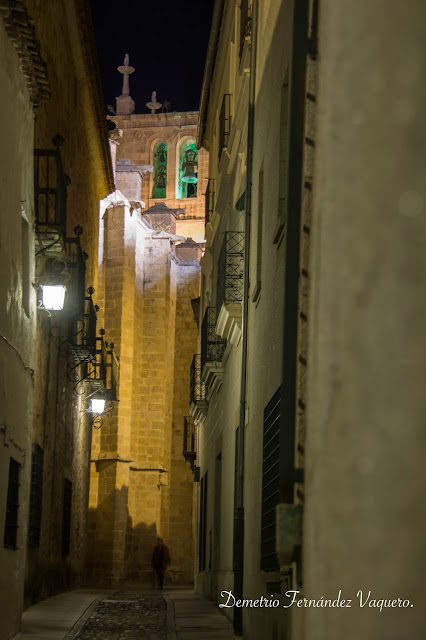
(127, 616)
(132, 612)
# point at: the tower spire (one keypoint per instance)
(125, 104)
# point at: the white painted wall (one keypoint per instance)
(17, 329)
(365, 519)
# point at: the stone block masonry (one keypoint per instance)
(141, 486)
(140, 134)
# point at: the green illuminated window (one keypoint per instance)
(188, 170)
(160, 170)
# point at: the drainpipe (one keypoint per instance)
(238, 559)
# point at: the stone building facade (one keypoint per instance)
(149, 274)
(310, 405)
(49, 86)
(260, 170)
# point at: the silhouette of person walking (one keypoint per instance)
(160, 560)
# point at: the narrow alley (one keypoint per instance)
(212, 320)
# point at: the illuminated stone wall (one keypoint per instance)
(141, 486)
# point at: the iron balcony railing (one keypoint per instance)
(189, 440)
(50, 191)
(209, 201)
(230, 269)
(212, 346)
(224, 124)
(197, 390)
(82, 336)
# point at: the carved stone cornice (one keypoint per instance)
(20, 30)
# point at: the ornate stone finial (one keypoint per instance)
(126, 70)
(154, 105)
(125, 104)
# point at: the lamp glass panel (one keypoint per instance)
(97, 405)
(53, 297)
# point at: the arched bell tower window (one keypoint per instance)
(160, 170)
(188, 169)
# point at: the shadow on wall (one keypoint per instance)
(117, 550)
(56, 553)
(48, 580)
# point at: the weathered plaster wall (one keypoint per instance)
(60, 426)
(272, 129)
(216, 454)
(63, 431)
(365, 484)
(17, 324)
(267, 255)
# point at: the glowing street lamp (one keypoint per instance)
(53, 296)
(97, 404)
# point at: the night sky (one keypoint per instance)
(166, 41)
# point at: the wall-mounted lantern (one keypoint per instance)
(95, 371)
(61, 274)
(99, 403)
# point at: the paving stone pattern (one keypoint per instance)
(127, 616)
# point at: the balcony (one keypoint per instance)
(212, 352)
(229, 292)
(197, 391)
(50, 191)
(189, 440)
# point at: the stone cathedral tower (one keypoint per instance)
(151, 240)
